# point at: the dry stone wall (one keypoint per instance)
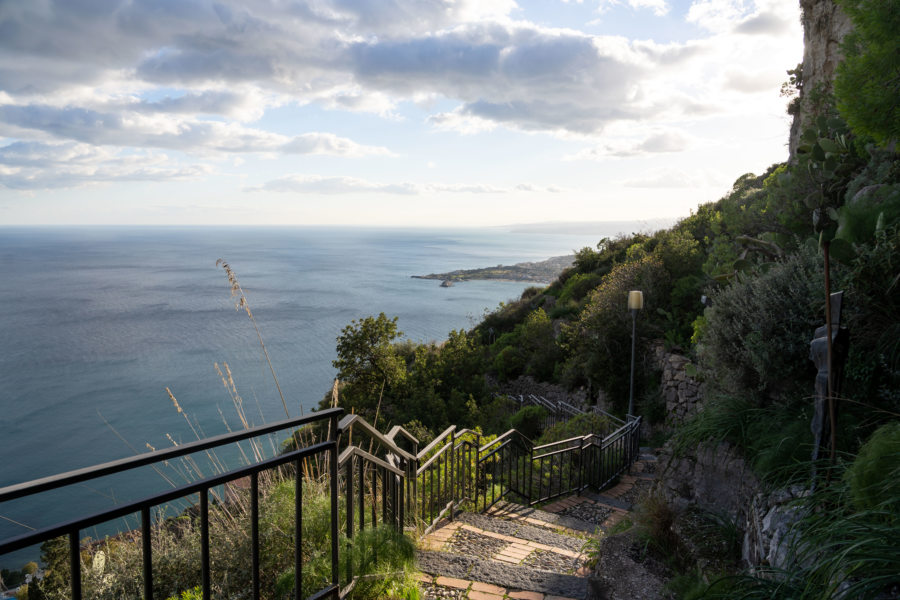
(683, 394)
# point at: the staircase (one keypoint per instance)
(517, 552)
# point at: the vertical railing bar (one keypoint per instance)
(147, 553)
(204, 543)
(254, 531)
(74, 564)
(403, 497)
(452, 474)
(298, 532)
(362, 493)
(385, 512)
(374, 496)
(350, 499)
(333, 475)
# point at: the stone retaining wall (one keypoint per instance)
(683, 394)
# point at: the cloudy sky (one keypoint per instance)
(385, 112)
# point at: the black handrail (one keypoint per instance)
(44, 484)
(72, 528)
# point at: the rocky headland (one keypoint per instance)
(544, 271)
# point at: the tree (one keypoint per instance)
(368, 361)
(867, 83)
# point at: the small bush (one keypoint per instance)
(874, 476)
(576, 426)
(757, 332)
(529, 421)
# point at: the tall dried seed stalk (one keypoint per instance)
(241, 303)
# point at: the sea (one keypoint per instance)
(97, 322)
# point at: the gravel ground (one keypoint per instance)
(431, 591)
(589, 512)
(649, 467)
(551, 561)
(474, 544)
(523, 531)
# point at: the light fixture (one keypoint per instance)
(635, 303)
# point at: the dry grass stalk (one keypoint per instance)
(241, 303)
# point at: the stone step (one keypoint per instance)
(522, 530)
(515, 581)
(542, 518)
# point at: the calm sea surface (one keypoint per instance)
(95, 323)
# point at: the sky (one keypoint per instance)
(386, 112)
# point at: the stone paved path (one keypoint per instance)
(522, 553)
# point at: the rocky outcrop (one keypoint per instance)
(824, 27)
(714, 477)
(769, 527)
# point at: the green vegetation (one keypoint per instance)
(868, 79)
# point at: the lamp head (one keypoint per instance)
(635, 300)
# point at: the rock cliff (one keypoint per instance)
(824, 27)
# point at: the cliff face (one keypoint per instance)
(824, 26)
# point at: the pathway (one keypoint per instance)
(522, 553)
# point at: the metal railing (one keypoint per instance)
(513, 465)
(405, 488)
(560, 411)
(72, 529)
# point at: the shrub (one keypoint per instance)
(757, 331)
(874, 476)
(529, 421)
(578, 286)
(576, 426)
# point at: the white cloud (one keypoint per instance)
(657, 142)
(36, 166)
(717, 15)
(668, 177)
(318, 184)
(659, 7)
(202, 77)
(138, 129)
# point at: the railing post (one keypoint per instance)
(349, 501)
(298, 531)
(452, 473)
(254, 532)
(147, 553)
(333, 475)
(204, 543)
(75, 564)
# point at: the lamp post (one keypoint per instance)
(635, 303)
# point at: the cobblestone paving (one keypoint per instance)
(475, 544)
(588, 511)
(431, 591)
(551, 561)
